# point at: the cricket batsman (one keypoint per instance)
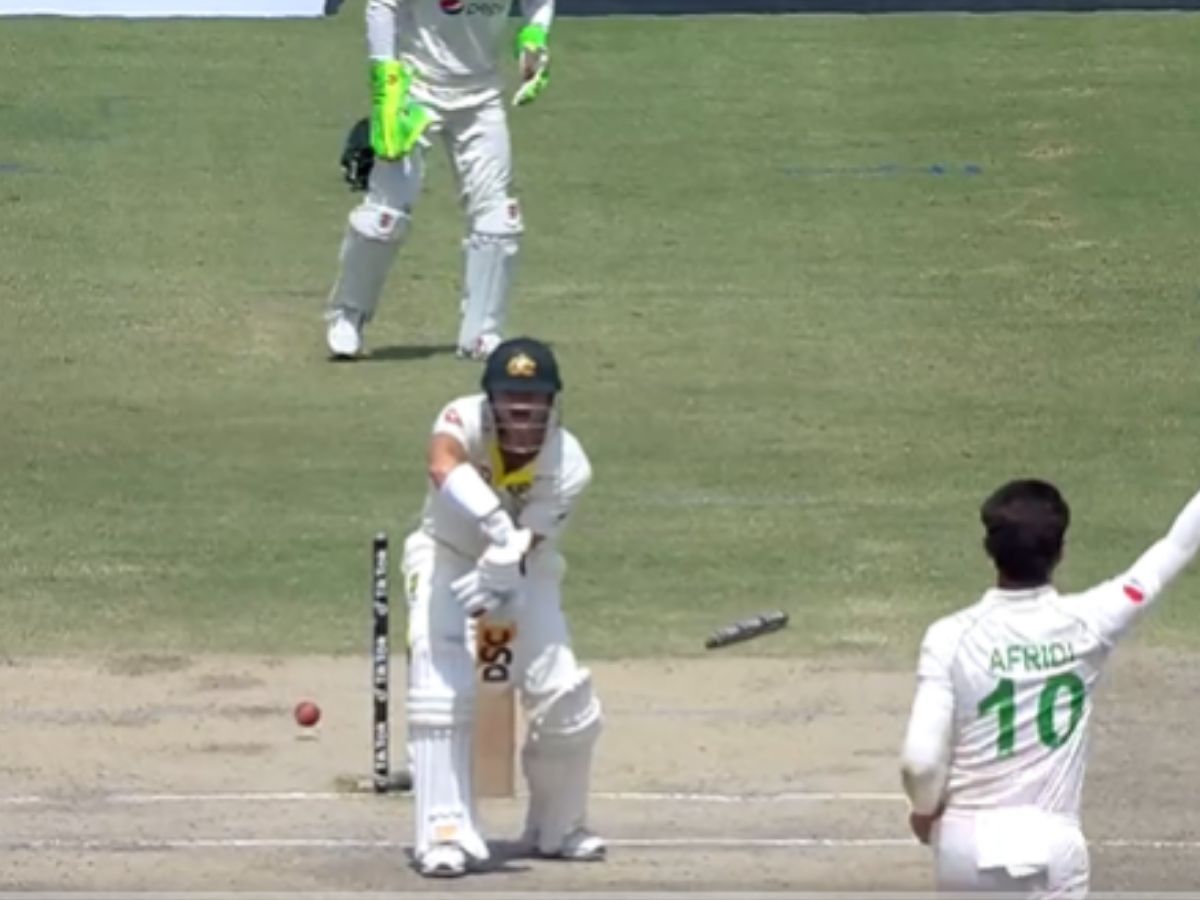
(994, 757)
(435, 70)
(505, 476)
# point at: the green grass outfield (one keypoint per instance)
(797, 379)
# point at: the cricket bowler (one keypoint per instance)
(994, 756)
(505, 476)
(435, 71)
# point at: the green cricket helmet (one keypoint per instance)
(522, 384)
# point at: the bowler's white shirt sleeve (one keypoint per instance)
(1115, 606)
(928, 741)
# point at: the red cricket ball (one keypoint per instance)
(307, 713)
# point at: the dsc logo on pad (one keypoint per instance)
(452, 7)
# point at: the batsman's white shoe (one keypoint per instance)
(580, 845)
(481, 349)
(443, 861)
(344, 336)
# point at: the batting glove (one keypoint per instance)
(534, 56)
(475, 602)
(496, 578)
(397, 122)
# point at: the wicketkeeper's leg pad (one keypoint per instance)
(441, 709)
(564, 725)
(374, 232)
(490, 254)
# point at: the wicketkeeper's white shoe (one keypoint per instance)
(580, 845)
(443, 861)
(481, 349)
(344, 336)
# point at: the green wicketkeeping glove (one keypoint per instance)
(534, 55)
(397, 122)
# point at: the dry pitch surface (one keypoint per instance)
(173, 773)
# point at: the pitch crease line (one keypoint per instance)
(782, 797)
(266, 843)
(334, 796)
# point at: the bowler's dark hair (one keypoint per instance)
(1025, 522)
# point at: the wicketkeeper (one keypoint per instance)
(504, 479)
(435, 70)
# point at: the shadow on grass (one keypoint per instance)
(403, 352)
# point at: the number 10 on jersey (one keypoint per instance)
(1003, 701)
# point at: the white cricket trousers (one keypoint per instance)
(955, 853)
(479, 148)
(477, 141)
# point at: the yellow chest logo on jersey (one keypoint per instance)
(515, 483)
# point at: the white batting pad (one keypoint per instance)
(441, 706)
(557, 760)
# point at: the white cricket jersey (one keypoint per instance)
(539, 496)
(454, 47)
(1004, 687)
(1021, 667)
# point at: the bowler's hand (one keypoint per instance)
(922, 823)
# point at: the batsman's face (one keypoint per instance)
(522, 420)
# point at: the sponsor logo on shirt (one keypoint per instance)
(473, 7)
